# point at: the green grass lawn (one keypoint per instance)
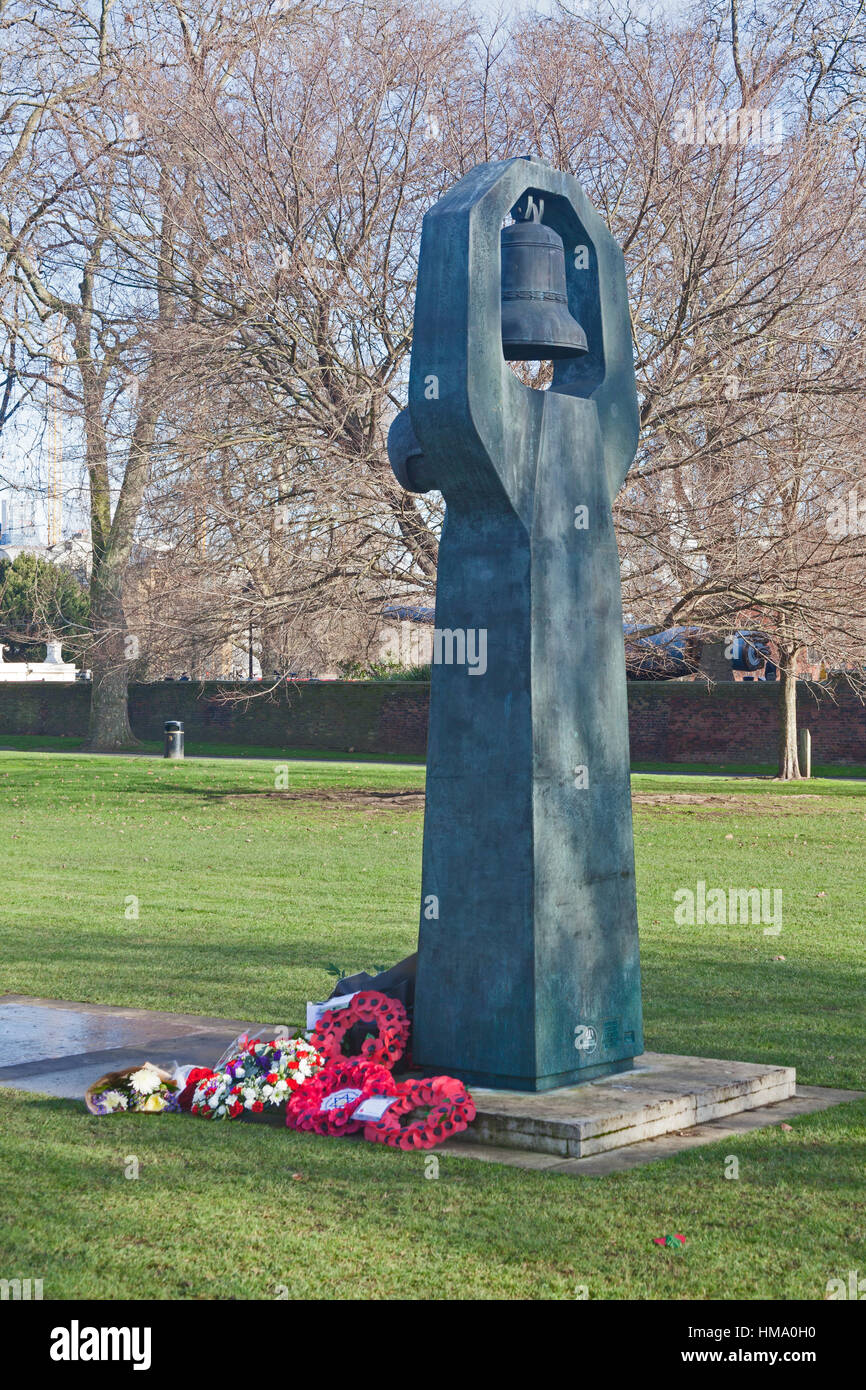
(245, 896)
(196, 748)
(234, 1210)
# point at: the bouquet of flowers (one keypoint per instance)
(143, 1088)
(257, 1073)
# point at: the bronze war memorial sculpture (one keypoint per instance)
(528, 973)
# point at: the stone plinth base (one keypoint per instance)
(661, 1094)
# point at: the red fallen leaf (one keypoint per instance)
(787, 1127)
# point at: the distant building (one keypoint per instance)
(75, 553)
(7, 523)
(406, 635)
(53, 668)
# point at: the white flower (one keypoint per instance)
(114, 1100)
(145, 1081)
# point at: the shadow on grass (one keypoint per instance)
(808, 1016)
(822, 1152)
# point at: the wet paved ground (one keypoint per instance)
(59, 1048)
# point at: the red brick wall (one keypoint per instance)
(686, 722)
(669, 721)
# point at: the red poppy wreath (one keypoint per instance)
(451, 1109)
(340, 1087)
(368, 1006)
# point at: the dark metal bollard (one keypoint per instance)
(174, 738)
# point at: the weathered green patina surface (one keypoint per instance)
(528, 970)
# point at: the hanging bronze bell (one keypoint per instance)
(536, 323)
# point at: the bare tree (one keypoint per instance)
(728, 161)
(246, 250)
(300, 191)
(87, 239)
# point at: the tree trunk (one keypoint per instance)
(272, 653)
(110, 731)
(112, 650)
(789, 764)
